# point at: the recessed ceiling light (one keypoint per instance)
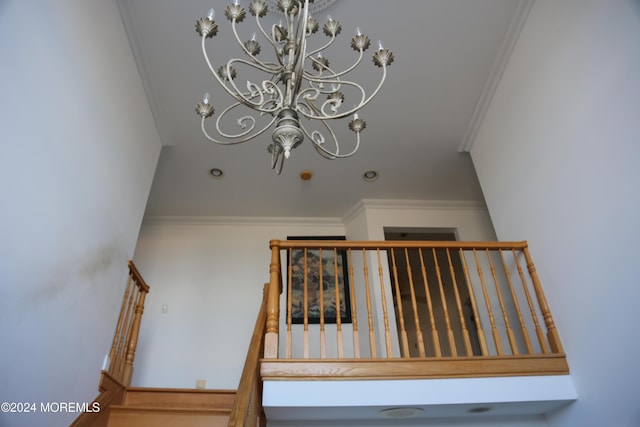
(400, 412)
(370, 175)
(216, 173)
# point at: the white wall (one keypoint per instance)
(557, 158)
(210, 274)
(79, 148)
(369, 218)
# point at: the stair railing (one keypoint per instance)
(125, 339)
(115, 379)
(247, 409)
(465, 309)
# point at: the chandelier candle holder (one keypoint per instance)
(299, 83)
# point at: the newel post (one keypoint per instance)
(552, 332)
(273, 303)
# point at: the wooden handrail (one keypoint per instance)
(247, 408)
(388, 244)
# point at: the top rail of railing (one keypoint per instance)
(381, 244)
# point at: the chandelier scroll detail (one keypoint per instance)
(298, 83)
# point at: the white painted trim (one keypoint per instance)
(357, 209)
(423, 204)
(352, 213)
(234, 220)
(506, 48)
(126, 13)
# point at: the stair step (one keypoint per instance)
(177, 398)
(154, 416)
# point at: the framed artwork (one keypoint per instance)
(321, 281)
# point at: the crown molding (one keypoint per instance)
(357, 209)
(126, 14)
(234, 220)
(489, 89)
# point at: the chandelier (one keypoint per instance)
(298, 83)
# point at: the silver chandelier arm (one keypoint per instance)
(319, 141)
(240, 137)
(364, 100)
(320, 78)
(263, 66)
(236, 93)
(254, 91)
(309, 95)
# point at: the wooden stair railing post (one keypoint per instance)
(273, 303)
(119, 327)
(132, 341)
(404, 340)
(354, 314)
(505, 316)
(463, 325)
(552, 332)
(541, 339)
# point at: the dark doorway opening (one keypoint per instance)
(443, 276)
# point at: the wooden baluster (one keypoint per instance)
(443, 300)
(552, 332)
(305, 303)
(133, 338)
(541, 339)
(481, 338)
(372, 335)
(273, 303)
(385, 311)
(119, 326)
(465, 332)
(505, 315)
(338, 305)
(403, 332)
(354, 314)
(434, 330)
(414, 305)
(323, 346)
(289, 346)
(124, 336)
(487, 301)
(523, 327)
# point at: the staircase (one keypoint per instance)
(160, 407)
(124, 406)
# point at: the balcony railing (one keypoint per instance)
(356, 309)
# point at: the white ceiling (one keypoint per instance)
(447, 54)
